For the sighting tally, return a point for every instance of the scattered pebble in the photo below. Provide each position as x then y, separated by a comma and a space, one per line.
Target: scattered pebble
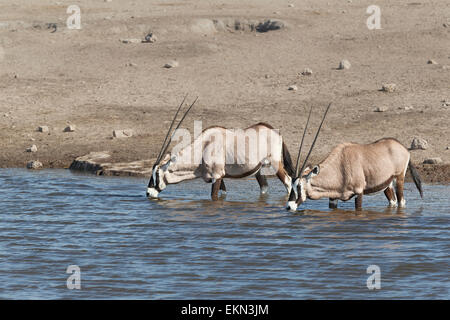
445, 103
344, 64
150, 38
171, 64
431, 61
43, 129
388, 87
381, 109
290, 5
34, 164
69, 128
419, 144
293, 88
307, 72
126, 133
33, 148
131, 64
432, 161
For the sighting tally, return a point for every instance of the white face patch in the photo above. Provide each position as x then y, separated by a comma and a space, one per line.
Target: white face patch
294, 187
152, 193
292, 206
303, 191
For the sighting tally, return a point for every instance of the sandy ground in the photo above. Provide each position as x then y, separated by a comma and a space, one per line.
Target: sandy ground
90, 79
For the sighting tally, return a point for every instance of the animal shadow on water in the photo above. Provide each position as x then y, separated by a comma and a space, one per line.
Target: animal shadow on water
346, 214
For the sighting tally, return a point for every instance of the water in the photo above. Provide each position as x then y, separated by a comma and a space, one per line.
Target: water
186, 246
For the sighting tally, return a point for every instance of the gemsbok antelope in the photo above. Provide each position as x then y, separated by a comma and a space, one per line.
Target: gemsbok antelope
354, 170
219, 157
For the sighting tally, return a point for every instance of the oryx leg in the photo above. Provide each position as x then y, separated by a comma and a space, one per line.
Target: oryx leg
284, 177
332, 203
400, 181
358, 201
262, 181
222, 186
390, 195
216, 183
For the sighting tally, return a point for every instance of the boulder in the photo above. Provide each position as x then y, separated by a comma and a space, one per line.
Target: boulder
34, 165
126, 133
419, 144
432, 161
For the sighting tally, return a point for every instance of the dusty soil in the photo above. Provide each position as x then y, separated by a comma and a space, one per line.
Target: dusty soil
90, 79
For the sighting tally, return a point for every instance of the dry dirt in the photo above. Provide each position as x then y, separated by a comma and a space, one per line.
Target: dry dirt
89, 79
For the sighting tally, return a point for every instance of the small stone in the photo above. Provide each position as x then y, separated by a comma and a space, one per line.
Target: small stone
171, 64
151, 38
407, 108
432, 161
307, 72
43, 129
34, 165
126, 133
33, 148
131, 64
344, 64
69, 128
130, 40
431, 61
293, 88
445, 103
381, 109
388, 87
290, 5
419, 144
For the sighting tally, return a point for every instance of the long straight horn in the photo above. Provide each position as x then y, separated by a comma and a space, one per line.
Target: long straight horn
168, 132
179, 124
301, 144
315, 138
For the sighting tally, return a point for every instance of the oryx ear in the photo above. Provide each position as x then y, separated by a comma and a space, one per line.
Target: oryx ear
314, 172
173, 158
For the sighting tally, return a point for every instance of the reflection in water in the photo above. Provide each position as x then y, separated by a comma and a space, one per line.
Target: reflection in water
185, 246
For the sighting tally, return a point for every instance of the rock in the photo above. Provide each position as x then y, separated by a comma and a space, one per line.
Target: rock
131, 64
34, 165
171, 64
33, 148
108, 0
419, 144
381, 109
100, 163
407, 108
293, 88
445, 103
150, 38
344, 64
269, 25
307, 72
130, 40
43, 129
432, 161
431, 61
69, 128
388, 87
126, 133
290, 5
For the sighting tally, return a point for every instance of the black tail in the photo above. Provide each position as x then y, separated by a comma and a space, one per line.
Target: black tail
416, 178
287, 161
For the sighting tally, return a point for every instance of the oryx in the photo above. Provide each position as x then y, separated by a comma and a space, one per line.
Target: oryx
354, 170
220, 156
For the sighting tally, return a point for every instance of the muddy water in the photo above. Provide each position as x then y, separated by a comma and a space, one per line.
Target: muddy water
185, 246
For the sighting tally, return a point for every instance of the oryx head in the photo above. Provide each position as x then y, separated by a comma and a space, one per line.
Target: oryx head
300, 182
162, 165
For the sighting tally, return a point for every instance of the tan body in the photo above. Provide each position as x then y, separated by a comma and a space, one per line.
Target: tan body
227, 153
357, 169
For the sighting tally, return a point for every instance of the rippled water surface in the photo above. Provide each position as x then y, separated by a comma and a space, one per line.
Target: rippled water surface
185, 246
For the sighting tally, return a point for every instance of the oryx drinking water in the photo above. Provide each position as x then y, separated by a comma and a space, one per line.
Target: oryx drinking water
219, 153
354, 170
